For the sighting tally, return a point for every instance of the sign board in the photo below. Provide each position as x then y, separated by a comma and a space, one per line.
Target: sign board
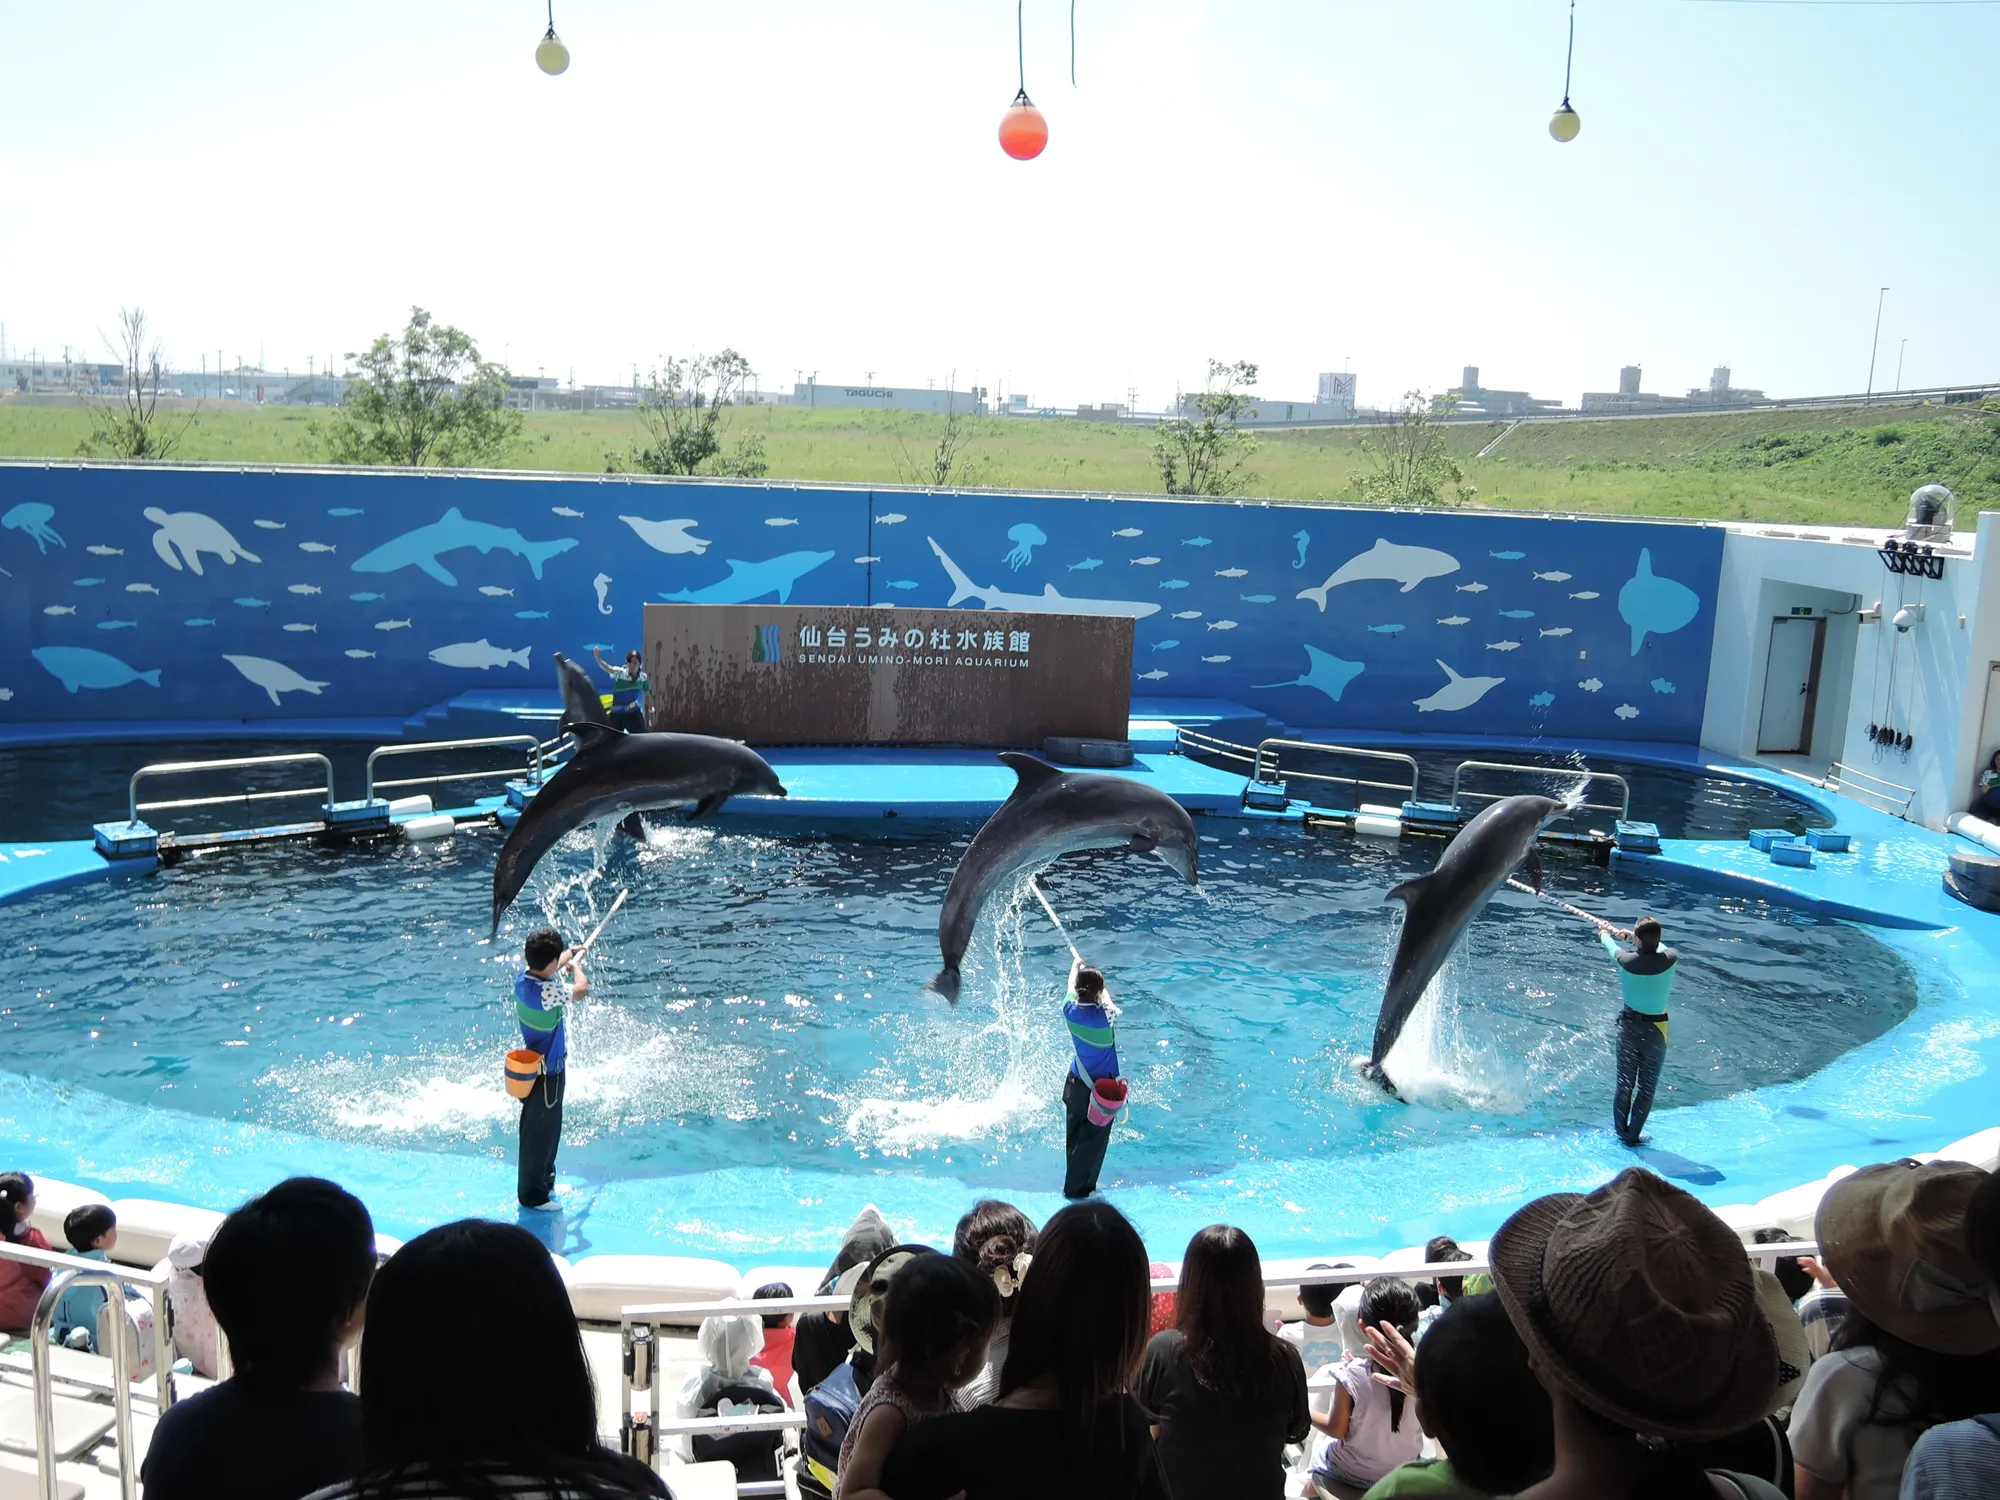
873, 675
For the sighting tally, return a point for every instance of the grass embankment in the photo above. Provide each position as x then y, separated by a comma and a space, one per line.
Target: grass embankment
1851, 465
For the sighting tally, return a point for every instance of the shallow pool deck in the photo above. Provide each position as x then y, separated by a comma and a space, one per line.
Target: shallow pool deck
1925, 1082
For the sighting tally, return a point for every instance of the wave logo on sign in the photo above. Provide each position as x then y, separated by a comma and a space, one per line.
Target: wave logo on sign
766, 644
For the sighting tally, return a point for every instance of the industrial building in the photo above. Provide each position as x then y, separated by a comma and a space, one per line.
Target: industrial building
1476, 400
890, 398
1628, 398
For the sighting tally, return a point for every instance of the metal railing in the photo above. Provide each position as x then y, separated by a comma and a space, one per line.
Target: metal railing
1622, 807
181, 767
532, 767
1269, 767
1894, 797
638, 1325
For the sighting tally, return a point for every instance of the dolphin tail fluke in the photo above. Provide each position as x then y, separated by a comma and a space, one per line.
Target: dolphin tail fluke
1317, 595
151, 679
946, 983
962, 588
538, 553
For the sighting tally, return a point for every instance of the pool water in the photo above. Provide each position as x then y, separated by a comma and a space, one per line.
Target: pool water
760, 1002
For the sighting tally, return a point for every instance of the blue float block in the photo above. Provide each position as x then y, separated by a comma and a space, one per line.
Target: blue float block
1443, 814
1761, 839
356, 816
1793, 853
1636, 838
1830, 840
1265, 797
132, 840
520, 793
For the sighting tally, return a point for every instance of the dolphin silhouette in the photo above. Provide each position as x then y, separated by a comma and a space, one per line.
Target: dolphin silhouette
1051, 813
1439, 906
1386, 560
613, 774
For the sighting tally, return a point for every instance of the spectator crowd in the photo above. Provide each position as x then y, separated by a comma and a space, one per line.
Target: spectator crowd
1622, 1345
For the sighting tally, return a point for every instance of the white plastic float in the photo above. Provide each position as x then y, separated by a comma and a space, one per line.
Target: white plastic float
435, 826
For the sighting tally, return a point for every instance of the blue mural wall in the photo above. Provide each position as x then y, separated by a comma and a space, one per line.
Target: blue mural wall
211, 593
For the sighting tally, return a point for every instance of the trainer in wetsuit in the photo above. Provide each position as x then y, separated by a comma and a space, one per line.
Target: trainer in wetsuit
628, 691
1647, 976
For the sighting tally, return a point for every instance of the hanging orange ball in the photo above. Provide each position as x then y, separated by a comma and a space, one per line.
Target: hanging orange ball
1023, 131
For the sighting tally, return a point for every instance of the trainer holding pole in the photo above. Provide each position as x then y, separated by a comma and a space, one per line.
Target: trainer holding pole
1093, 1091
1646, 974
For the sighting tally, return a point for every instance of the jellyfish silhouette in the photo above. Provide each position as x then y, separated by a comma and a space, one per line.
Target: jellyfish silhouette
1026, 537
33, 517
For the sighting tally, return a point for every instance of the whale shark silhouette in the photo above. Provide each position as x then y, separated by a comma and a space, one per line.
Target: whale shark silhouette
750, 581
421, 548
1048, 602
1653, 605
1325, 673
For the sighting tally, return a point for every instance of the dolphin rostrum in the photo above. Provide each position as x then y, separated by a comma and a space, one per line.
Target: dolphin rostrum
613, 774
1050, 813
1440, 905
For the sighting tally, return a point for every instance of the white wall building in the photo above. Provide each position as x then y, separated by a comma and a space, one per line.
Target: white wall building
889, 397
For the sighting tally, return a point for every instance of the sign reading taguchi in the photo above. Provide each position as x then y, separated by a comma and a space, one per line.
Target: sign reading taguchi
859, 675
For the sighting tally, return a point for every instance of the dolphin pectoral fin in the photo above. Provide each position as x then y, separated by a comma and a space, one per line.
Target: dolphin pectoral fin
632, 828
1031, 774
1142, 843
1532, 868
708, 805
1410, 891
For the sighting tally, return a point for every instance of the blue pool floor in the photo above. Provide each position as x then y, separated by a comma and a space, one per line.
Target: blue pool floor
1926, 1082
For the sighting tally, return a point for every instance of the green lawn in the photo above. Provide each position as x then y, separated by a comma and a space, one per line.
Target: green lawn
1853, 466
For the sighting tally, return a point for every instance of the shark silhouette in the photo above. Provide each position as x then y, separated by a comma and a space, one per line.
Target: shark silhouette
449, 533
1048, 602
750, 581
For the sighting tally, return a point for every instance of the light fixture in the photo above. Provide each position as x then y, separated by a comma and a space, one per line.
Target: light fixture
1023, 131
1566, 122
551, 56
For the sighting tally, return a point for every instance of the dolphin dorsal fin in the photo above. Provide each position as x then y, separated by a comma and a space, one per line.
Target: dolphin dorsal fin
589, 736
1032, 774
1410, 891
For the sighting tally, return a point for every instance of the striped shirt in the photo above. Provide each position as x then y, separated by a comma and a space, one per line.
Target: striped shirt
538, 1006
1096, 1039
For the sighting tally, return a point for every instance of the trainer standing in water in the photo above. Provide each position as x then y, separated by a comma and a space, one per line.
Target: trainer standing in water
628, 691
1090, 1014
1647, 975
540, 1004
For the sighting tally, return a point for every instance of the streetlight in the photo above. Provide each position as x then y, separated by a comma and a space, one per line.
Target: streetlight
1874, 345
1900, 348
551, 56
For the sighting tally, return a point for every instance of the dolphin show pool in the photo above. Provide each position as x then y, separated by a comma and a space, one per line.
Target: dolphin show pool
761, 1054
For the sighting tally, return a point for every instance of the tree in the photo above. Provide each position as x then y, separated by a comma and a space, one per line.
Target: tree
1203, 451
948, 464
1406, 456
424, 399
683, 410
132, 427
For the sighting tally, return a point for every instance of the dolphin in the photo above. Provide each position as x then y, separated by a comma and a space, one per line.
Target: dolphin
582, 704
1439, 906
613, 774
1050, 813
1387, 560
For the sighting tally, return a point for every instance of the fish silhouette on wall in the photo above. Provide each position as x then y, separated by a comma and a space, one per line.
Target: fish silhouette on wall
80, 667
750, 581
421, 548
185, 534
1653, 605
1048, 602
1389, 561
1325, 673
1457, 693
31, 518
274, 677
670, 537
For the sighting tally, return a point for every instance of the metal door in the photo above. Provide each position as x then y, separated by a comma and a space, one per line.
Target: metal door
1791, 686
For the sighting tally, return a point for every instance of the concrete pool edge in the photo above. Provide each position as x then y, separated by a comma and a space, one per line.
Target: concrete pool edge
1918, 1085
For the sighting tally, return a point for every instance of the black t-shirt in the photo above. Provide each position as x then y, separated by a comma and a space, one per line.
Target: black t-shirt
1216, 1446
1000, 1453
818, 1346
244, 1441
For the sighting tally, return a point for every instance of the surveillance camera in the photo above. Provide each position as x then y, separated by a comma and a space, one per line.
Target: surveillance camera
1907, 617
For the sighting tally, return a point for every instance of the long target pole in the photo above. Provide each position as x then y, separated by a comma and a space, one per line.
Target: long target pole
602, 924
1035, 886
1576, 911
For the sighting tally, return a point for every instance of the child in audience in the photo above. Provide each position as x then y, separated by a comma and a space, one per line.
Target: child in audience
729, 1345
287, 1275
1448, 1289
776, 1355
935, 1321
91, 1231
195, 1338
1318, 1338
20, 1286
1370, 1431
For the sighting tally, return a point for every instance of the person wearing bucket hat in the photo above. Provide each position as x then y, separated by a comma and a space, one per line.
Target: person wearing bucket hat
1920, 1344
1961, 1460
1093, 1091
1641, 1321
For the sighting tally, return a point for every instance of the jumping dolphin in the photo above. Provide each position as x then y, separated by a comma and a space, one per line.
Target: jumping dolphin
613, 774
1050, 813
1440, 905
581, 702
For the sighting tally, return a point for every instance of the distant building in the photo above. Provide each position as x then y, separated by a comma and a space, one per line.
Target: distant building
890, 398
1629, 399
1476, 400
1721, 393
54, 376
1337, 389
1335, 403
1110, 411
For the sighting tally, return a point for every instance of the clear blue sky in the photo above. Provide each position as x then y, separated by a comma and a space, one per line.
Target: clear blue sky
817, 183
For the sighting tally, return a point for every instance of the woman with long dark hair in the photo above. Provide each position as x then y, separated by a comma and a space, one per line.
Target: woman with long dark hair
1226, 1394
997, 1240
1065, 1426
474, 1383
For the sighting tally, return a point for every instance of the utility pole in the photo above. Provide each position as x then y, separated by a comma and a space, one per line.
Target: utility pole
1875, 345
